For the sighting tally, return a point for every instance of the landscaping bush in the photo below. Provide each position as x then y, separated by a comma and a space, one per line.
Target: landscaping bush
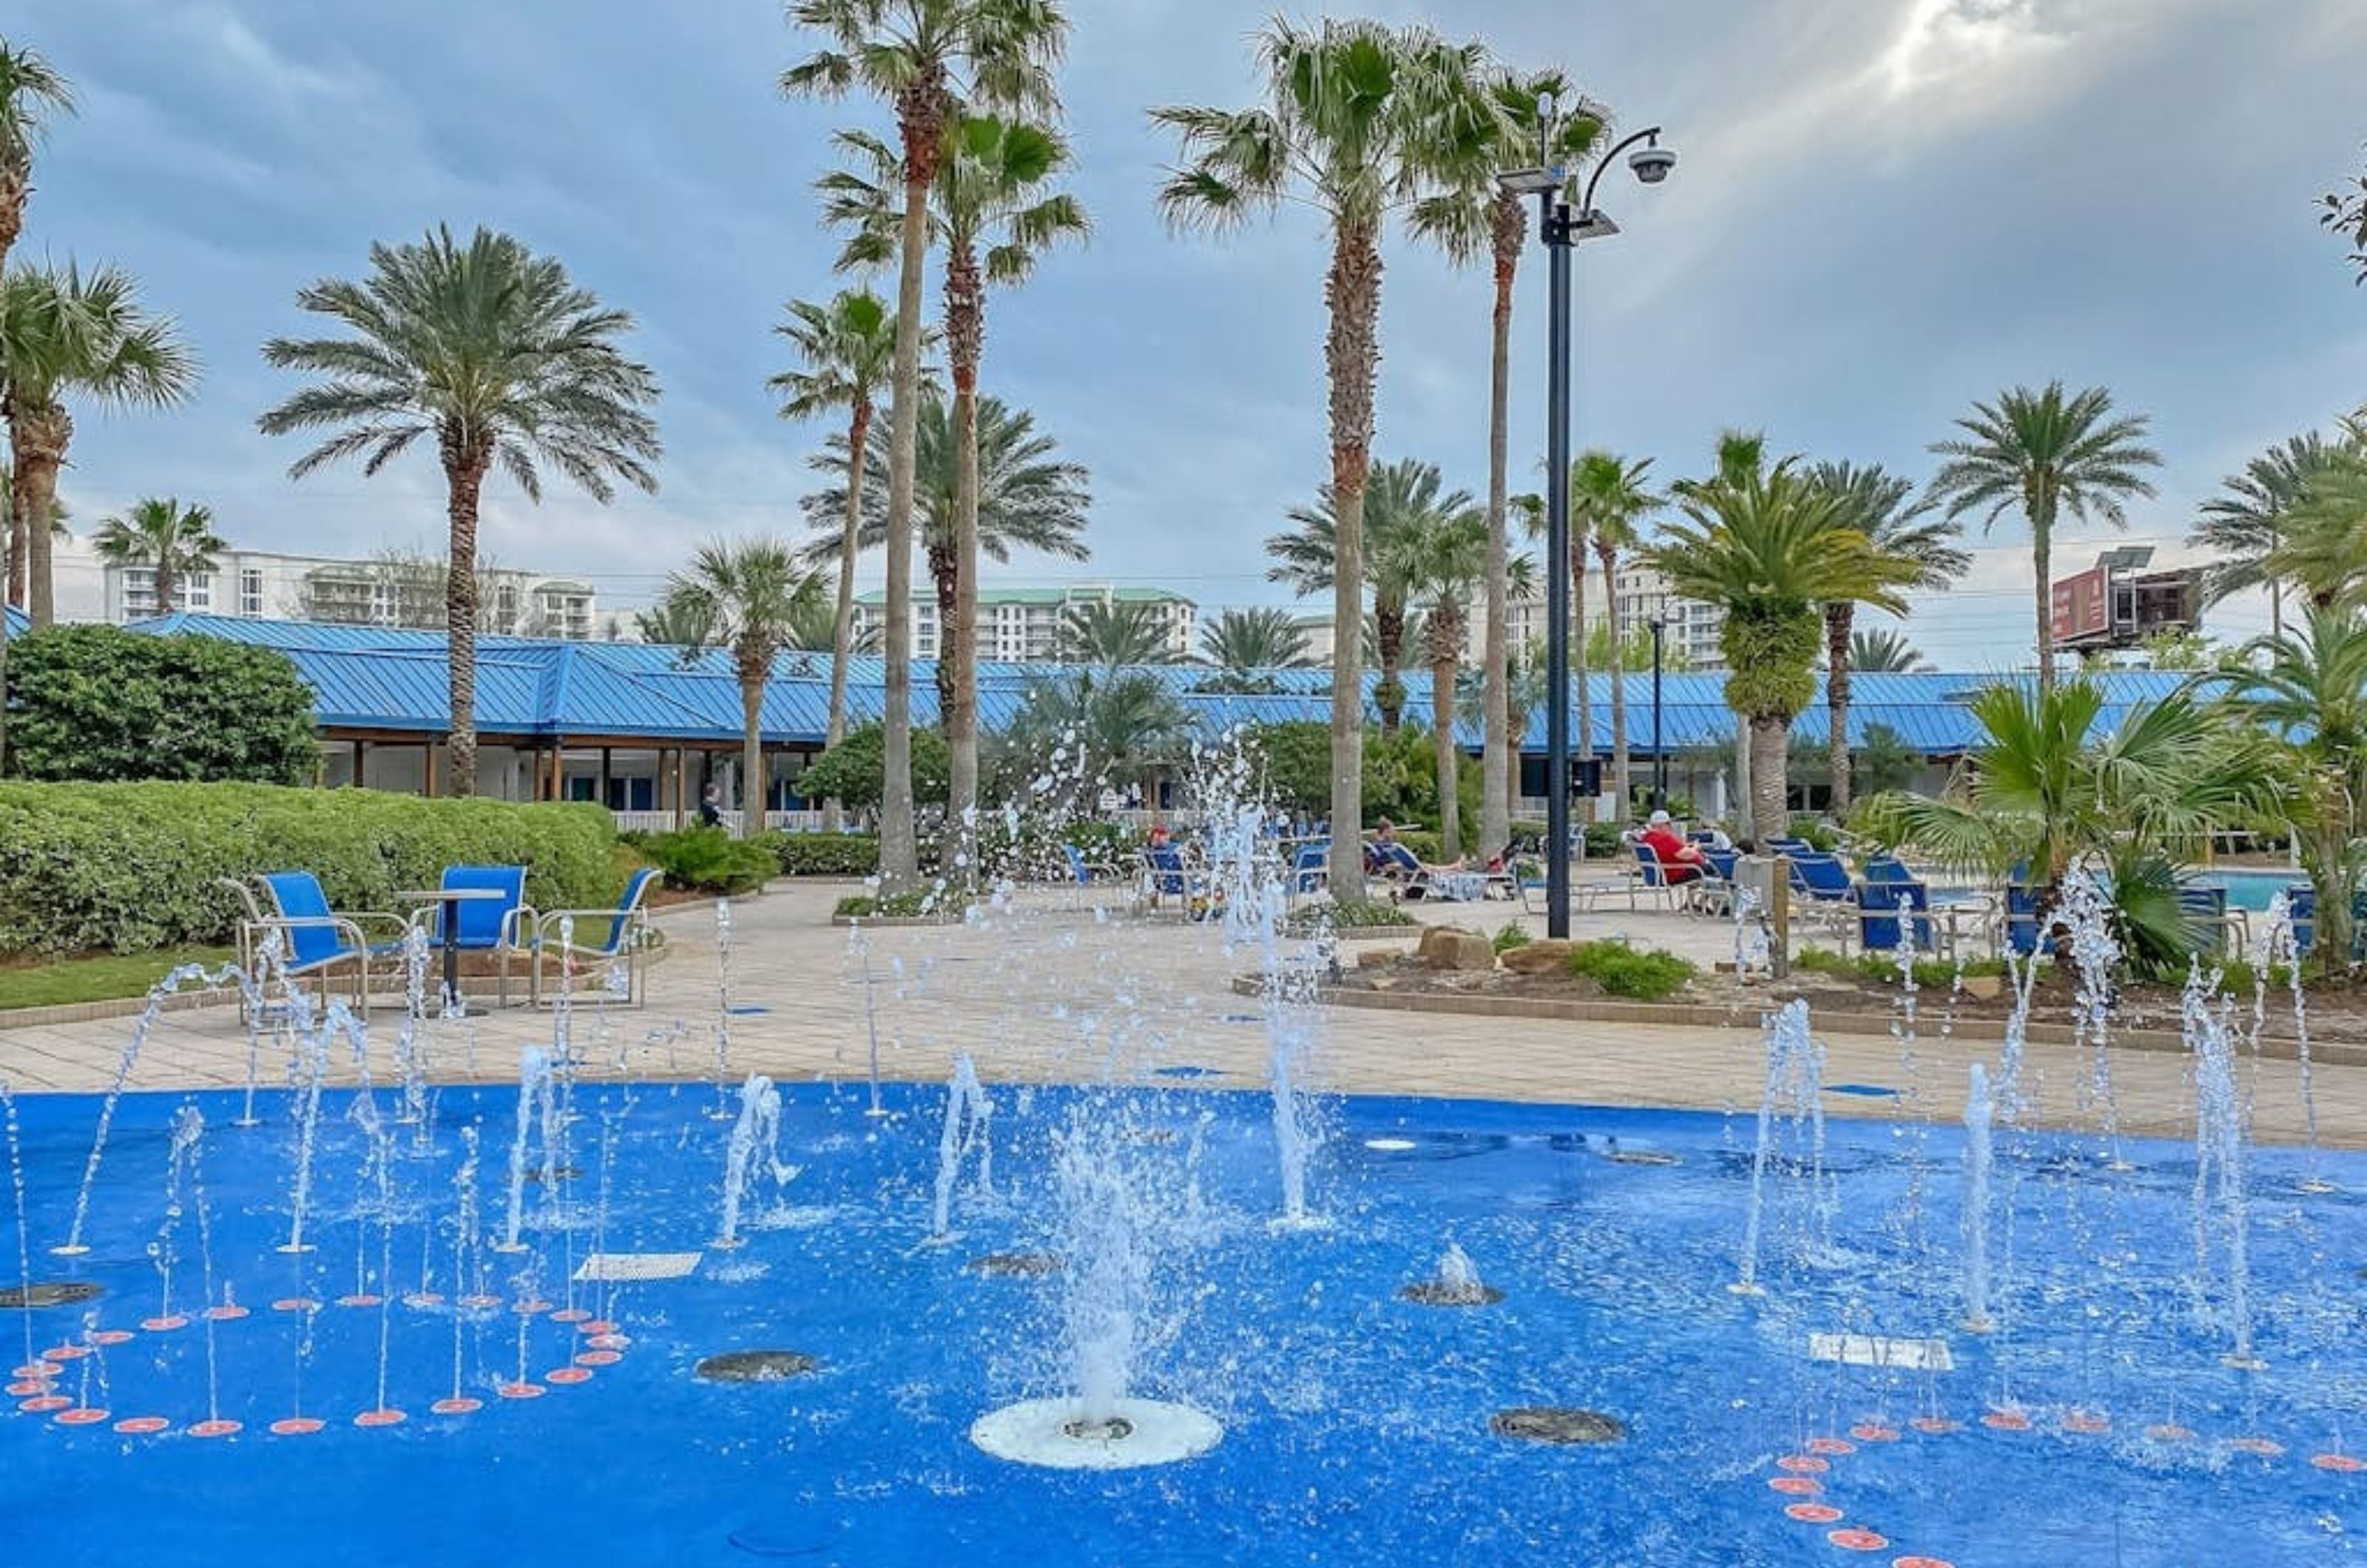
1644, 975
1603, 841
709, 860
101, 704
826, 855
1350, 916
855, 771
1930, 973
1510, 935
944, 901
128, 867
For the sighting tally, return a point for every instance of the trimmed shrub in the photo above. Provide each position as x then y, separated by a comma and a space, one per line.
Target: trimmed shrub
709, 860
101, 704
126, 867
1303, 922
855, 771
826, 855
948, 902
1644, 975
1882, 968
1602, 839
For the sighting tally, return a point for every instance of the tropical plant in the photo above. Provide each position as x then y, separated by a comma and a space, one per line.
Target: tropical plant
31, 92
171, 540
1402, 505
1359, 118
747, 597
12, 546
1451, 567
1770, 550
1245, 642
991, 210
2249, 519
1114, 632
674, 621
855, 771
2308, 687
1609, 500
495, 355
2322, 549
1476, 216
846, 352
927, 59
1884, 653
2345, 215
1028, 497
1111, 722
1883, 507
2046, 455
2047, 788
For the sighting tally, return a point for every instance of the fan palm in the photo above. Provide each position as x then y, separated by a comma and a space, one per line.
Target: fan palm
747, 599
1404, 502
2049, 455
31, 92
1450, 566
992, 195
846, 351
2247, 520
1241, 642
1884, 653
1883, 507
1111, 721
171, 540
1609, 498
1113, 633
675, 623
493, 354
1359, 119
1478, 216
927, 58
1770, 550
2322, 549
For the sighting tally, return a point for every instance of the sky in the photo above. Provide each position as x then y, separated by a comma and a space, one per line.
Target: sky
1884, 210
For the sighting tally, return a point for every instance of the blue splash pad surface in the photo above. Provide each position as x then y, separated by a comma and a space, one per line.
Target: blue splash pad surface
1357, 1424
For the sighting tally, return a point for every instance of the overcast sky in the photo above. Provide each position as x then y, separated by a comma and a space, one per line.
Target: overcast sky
1886, 210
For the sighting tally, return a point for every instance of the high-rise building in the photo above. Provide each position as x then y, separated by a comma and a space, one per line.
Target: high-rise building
1022, 626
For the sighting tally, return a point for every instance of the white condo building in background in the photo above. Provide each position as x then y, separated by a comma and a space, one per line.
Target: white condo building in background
1022, 626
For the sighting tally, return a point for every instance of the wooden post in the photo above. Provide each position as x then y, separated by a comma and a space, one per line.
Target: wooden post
361, 754
558, 769
604, 753
681, 775
1779, 920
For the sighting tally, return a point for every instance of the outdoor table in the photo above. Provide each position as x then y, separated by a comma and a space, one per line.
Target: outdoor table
451, 899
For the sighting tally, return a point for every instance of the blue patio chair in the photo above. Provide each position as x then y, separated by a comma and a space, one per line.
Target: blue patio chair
1722, 861
318, 939
1888, 868
601, 936
2021, 929
1166, 874
1790, 848
1395, 861
1890, 913
498, 926
1310, 868
1652, 877
1086, 872
2208, 919
1821, 878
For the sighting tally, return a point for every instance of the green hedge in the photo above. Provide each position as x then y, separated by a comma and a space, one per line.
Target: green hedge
90, 702
827, 854
126, 867
709, 860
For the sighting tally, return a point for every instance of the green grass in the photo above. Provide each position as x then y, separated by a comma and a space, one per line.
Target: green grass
105, 977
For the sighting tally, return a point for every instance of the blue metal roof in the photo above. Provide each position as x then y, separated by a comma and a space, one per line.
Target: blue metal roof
390, 678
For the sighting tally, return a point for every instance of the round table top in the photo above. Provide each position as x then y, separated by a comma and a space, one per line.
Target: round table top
450, 895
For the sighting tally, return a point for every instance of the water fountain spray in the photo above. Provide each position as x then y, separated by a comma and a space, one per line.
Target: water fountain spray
968, 1110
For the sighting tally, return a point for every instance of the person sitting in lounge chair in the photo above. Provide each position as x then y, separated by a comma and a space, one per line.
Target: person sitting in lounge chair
1680, 861
1386, 858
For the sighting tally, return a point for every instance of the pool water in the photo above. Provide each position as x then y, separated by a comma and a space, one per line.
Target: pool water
2252, 890
1357, 1423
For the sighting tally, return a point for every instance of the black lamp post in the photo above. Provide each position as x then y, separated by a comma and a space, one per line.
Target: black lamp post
1659, 623
1563, 228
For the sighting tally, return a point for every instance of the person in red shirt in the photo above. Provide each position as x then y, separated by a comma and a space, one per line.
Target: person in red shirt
1680, 861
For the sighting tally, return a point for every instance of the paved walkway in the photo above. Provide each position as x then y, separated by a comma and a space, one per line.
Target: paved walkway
1059, 989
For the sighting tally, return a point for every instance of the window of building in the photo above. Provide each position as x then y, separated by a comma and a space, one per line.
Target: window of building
250, 591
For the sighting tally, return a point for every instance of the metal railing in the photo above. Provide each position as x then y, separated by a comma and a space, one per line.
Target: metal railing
666, 821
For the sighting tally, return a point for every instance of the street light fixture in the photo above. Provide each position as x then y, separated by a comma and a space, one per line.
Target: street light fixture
1563, 228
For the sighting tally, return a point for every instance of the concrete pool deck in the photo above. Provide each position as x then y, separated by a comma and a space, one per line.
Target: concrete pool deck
1067, 991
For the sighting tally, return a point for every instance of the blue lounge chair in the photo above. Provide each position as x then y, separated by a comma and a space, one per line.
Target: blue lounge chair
2209, 919
1890, 913
1888, 868
500, 926
1821, 878
1166, 876
1086, 872
316, 940
1653, 878
1395, 861
1310, 868
602, 936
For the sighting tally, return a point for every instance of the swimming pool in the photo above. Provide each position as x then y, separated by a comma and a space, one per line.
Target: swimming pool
2096, 1425
2251, 889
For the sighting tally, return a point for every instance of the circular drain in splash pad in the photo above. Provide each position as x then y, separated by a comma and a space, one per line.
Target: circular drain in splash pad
753, 1366
1556, 1424
1450, 1294
1141, 1432
49, 1293
1014, 1265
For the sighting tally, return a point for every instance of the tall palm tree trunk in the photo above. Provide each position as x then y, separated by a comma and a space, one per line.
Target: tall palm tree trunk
1351, 354
2042, 525
965, 342
464, 479
1768, 816
1499, 776
842, 632
921, 117
1388, 648
1839, 620
753, 797
1444, 658
1582, 747
38, 439
1621, 796
168, 584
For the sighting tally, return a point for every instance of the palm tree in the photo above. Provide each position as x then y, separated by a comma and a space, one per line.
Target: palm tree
65, 333
171, 540
1451, 567
1402, 505
1111, 719
927, 59
1478, 216
2242, 526
2046, 455
2344, 214
1111, 633
846, 351
990, 195
1359, 118
1884, 653
31, 91
748, 597
1884, 508
1241, 642
12, 546
492, 353
2323, 548
1608, 499
675, 623
1028, 497
1771, 549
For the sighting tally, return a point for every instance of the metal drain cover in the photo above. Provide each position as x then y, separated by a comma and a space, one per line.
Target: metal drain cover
1556, 1424
49, 1293
753, 1366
